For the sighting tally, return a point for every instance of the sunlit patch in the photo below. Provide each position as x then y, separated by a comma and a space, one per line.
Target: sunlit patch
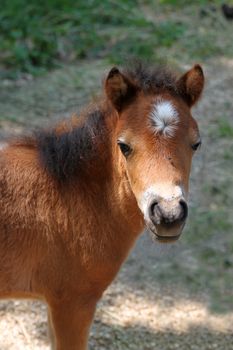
164, 118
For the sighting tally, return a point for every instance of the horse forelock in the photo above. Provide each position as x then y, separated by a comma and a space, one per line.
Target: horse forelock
152, 79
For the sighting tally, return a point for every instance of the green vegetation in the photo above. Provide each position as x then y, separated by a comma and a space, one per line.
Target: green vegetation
36, 36
225, 129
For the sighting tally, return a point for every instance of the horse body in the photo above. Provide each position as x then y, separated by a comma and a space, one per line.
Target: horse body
40, 220
74, 199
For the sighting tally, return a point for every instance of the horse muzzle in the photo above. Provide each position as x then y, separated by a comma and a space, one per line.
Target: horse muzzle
167, 218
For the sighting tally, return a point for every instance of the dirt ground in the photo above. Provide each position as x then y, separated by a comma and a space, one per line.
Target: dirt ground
165, 297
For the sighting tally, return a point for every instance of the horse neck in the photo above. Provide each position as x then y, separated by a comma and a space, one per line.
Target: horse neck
107, 207
112, 208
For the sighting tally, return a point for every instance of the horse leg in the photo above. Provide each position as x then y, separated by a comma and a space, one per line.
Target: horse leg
71, 323
51, 334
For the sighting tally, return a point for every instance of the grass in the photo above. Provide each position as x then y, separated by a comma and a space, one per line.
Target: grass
64, 30
46, 35
225, 129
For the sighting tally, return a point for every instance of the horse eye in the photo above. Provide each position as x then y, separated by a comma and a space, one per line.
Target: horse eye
195, 146
125, 149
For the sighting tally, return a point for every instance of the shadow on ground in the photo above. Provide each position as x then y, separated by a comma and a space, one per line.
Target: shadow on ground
130, 337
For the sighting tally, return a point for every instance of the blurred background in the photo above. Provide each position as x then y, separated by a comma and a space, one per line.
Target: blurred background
53, 57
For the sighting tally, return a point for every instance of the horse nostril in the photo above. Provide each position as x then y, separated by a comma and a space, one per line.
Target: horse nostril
152, 209
184, 210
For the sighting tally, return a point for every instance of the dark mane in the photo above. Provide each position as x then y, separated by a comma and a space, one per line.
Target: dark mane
64, 154
64, 149
152, 79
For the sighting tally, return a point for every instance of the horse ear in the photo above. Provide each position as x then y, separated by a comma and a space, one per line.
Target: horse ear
191, 84
119, 89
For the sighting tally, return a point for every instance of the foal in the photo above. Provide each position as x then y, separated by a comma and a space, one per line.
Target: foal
73, 199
